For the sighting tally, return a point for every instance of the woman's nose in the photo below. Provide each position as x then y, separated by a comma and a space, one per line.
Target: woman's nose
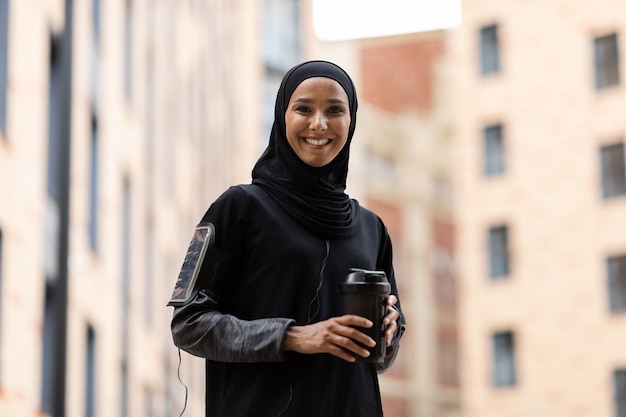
318, 121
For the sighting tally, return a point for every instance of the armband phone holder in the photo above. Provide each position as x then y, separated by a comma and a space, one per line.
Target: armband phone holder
202, 264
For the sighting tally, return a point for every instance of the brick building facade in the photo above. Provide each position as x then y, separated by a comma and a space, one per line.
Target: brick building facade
539, 160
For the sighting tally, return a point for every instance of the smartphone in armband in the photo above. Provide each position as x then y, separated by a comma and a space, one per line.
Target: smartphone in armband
202, 265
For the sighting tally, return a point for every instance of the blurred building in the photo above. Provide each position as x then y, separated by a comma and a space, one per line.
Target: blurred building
400, 168
168, 107
541, 196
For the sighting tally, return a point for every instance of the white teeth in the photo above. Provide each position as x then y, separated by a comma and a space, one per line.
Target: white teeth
316, 142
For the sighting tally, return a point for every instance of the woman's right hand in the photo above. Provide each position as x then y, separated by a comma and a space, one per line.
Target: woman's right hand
337, 336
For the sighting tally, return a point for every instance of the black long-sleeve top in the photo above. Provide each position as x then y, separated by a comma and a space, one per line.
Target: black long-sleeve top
280, 275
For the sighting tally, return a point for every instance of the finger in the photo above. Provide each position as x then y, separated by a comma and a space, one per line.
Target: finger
346, 341
357, 336
355, 349
391, 332
345, 329
355, 341
392, 316
348, 348
350, 333
392, 313
352, 320
336, 349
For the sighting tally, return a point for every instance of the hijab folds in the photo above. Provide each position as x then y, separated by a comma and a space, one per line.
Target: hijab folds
313, 196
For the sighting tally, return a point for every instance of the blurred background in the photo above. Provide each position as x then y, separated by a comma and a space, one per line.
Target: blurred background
490, 141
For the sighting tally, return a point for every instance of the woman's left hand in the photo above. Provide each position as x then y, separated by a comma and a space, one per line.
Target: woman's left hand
390, 321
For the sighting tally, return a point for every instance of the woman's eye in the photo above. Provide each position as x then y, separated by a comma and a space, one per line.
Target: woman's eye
336, 109
302, 109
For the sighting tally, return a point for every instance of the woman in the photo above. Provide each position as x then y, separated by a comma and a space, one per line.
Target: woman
271, 327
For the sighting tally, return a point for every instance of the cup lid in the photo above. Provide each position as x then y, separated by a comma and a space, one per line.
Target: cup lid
362, 280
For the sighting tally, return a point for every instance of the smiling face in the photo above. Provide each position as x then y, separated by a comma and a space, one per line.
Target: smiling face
317, 120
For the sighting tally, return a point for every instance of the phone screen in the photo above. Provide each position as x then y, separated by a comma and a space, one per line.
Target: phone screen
185, 284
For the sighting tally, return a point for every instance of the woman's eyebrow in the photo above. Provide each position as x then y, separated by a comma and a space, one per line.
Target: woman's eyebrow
308, 100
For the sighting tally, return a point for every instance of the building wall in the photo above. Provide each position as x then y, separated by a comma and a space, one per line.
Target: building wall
401, 75
186, 124
566, 340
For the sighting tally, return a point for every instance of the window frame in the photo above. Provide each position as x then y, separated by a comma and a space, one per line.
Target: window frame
94, 184
128, 50
494, 153
498, 250
613, 170
489, 49
606, 61
616, 283
504, 368
90, 370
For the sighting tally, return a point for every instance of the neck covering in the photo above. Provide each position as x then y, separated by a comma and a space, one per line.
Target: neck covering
313, 196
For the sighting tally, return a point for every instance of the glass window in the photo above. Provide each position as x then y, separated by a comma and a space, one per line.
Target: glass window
498, 252
281, 34
619, 384
90, 373
54, 117
128, 48
50, 323
606, 61
613, 163
616, 268
94, 76
489, 50
4, 62
93, 185
494, 150
503, 359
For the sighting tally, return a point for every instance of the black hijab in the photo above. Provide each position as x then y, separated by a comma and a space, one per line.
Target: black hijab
313, 196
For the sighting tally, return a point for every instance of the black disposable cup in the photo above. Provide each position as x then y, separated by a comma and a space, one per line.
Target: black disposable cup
365, 293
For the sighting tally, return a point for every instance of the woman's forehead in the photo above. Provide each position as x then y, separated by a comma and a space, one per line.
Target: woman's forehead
316, 86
